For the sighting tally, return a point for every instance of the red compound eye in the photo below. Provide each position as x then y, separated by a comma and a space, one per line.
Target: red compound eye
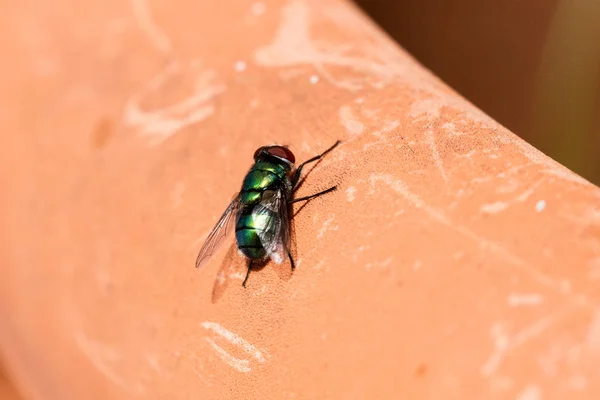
257, 152
282, 152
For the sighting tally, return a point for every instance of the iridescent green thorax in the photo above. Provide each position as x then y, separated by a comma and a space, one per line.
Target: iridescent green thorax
262, 176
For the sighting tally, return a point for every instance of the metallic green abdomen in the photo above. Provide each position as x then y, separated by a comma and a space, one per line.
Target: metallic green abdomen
249, 244
262, 176
246, 233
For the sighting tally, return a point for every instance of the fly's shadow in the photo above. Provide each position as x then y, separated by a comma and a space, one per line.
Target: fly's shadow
231, 265
234, 267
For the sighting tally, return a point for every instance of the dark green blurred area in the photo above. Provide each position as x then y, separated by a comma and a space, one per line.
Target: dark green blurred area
534, 65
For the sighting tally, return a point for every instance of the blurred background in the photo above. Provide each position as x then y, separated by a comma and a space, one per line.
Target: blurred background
534, 65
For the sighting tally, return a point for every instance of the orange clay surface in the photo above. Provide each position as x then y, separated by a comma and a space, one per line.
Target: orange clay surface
453, 262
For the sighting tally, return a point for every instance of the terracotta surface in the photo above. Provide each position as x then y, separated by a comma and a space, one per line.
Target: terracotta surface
7, 389
455, 261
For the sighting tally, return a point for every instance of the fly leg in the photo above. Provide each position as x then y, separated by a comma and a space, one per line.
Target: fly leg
296, 176
291, 260
247, 273
312, 196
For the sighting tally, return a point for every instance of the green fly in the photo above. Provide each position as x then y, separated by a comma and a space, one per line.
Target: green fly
260, 210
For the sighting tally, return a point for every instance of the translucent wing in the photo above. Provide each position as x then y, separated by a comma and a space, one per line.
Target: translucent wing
273, 225
220, 232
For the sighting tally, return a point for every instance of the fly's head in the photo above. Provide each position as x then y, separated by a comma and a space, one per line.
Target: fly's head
275, 153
